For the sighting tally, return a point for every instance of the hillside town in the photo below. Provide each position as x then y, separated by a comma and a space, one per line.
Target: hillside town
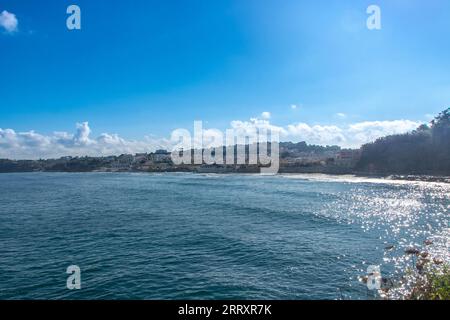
294, 157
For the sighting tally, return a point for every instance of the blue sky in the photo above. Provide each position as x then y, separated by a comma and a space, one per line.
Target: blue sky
141, 68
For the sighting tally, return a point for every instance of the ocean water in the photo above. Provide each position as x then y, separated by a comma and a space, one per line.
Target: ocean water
187, 236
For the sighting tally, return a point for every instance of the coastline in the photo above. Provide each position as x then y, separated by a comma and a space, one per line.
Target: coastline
347, 175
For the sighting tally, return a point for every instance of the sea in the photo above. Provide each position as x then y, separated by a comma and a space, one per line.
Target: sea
211, 236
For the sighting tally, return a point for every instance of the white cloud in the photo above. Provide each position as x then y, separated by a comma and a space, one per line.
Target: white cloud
265, 115
294, 106
317, 134
341, 115
353, 135
31, 145
249, 127
8, 21
82, 135
371, 130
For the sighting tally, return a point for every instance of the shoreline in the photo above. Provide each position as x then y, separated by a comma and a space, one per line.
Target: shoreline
318, 174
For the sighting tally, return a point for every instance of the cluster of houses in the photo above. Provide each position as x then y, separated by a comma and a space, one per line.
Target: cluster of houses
328, 157
160, 160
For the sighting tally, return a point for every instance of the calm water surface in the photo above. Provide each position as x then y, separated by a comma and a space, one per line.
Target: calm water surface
185, 236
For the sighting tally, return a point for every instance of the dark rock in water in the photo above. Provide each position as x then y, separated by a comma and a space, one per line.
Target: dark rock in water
386, 284
419, 266
412, 251
428, 242
390, 247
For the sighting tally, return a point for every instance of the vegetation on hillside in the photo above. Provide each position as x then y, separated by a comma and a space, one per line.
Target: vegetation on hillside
434, 285
425, 150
